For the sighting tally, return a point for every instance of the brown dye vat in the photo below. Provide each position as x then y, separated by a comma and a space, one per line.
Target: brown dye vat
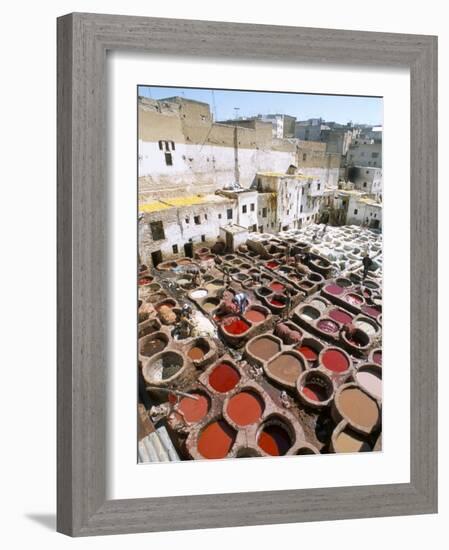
245, 408
286, 367
358, 408
255, 315
196, 353
216, 440
274, 440
194, 410
153, 345
224, 377
264, 348
348, 441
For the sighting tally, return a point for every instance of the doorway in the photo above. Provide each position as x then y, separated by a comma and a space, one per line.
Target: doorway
188, 250
156, 258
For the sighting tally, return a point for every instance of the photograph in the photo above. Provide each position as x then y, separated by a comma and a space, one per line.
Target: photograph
259, 274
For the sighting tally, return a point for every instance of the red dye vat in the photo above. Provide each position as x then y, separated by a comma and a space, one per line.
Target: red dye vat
254, 315
245, 408
216, 440
314, 392
333, 289
144, 281
372, 311
194, 410
272, 265
274, 440
276, 303
335, 360
340, 316
224, 377
354, 299
235, 326
326, 325
277, 287
377, 357
309, 353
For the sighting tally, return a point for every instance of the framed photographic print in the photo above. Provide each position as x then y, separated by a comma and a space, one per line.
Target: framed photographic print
246, 274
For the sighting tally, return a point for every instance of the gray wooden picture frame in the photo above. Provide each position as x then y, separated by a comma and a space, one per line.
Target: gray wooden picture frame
83, 41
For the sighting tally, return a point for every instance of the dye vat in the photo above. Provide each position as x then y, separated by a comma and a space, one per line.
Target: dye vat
343, 282
340, 316
377, 357
278, 301
358, 408
309, 313
263, 348
349, 441
194, 410
235, 326
319, 304
224, 377
310, 353
210, 304
357, 338
274, 439
366, 326
216, 440
152, 344
309, 450
327, 325
369, 377
335, 360
354, 299
371, 311
255, 314
285, 368
272, 265
198, 294
315, 388
277, 287
199, 350
334, 289
144, 281
163, 366
245, 408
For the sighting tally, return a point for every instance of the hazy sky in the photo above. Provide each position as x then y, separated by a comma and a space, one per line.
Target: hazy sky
342, 109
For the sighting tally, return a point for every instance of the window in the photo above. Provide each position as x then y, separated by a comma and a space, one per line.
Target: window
157, 231
244, 209
264, 212
252, 206
355, 212
175, 249
173, 145
168, 159
229, 213
167, 146
203, 238
288, 212
318, 186
205, 216
219, 216
301, 208
160, 145
364, 184
374, 155
197, 220
187, 220
304, 157
367, 171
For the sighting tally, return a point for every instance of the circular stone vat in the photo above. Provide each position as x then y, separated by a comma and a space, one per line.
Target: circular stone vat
199, 293
264, 291
245, 407
148, 327
358, 339
166, 303
369, 377
235, 326
224, 377
210, 304
216, 440
276, 286
309, 313
357, 408
342, 281
315, 278
163, 367
307, 449
376, 356
310, 349
198, 350
315, 388
278, 301
194, 410
354, 299
285, 368
274, 437
335, 360
342, 317
263, 347
152, 344
346, 440
145, 281
272, 265
367, 325
371, 311
333, 289
256, 314
154, 298
318, 304
327, 325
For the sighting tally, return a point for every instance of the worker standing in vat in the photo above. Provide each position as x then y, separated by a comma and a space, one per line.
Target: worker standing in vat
226, 276
288, 304
241, 301
367, 263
